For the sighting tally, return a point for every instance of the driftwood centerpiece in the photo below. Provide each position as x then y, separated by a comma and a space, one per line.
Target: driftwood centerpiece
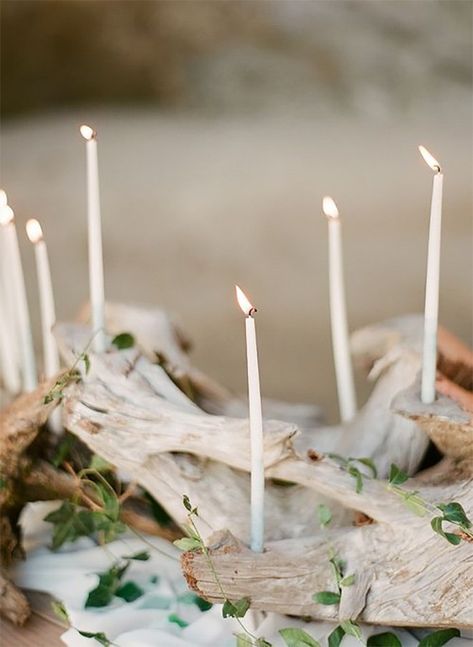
174, 431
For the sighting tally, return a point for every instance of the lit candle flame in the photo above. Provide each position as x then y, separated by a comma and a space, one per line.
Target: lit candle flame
6, 215
329, 207
244, 303
87, 132
430, 159
3, 198
34, 231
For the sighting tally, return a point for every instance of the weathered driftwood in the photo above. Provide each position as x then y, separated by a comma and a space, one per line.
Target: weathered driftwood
125, 397
405, 574
128, 410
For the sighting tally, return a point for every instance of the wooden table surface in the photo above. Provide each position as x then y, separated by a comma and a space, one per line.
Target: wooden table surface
42, 629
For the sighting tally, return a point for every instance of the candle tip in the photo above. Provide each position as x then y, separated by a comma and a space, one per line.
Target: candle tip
429, 158
329, 207
3, 198
244, 302
6, 215
87, 132
34, 231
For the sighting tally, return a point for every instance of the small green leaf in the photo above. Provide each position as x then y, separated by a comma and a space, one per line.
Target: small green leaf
369, 464
108, 499
177, 620
352, 629
99, 637
141, 556
86, 359
123, 340
326, 597
242, 640
386, 639
358, 476
129, 591
236, 609
63, 450
396, 475
109, 582
100, 465
436, 524
60, 611
261, 642
297, 638
336, 637
325, 516
438, 638
187, 543
349, 580
186, 503
455, 513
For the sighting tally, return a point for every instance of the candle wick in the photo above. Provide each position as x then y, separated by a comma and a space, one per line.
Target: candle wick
439, 170
252, 311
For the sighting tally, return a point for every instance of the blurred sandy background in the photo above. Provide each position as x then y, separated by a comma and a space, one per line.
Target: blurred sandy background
221, 126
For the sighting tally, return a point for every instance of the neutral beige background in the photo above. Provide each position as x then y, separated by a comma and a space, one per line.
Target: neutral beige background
193, 205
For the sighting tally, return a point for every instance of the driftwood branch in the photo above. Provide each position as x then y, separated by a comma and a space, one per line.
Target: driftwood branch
174, 431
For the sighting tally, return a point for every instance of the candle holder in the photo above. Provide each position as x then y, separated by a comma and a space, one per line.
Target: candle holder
153, 415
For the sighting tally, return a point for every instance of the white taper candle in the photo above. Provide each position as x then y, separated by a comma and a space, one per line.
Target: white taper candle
429, 355
256, 426
48, 311
9, 346
96, 280
338, 315
17, 283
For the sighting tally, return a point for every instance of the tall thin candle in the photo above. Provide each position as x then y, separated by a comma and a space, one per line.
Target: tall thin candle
256, 425
429, 356
338, 314
96, 281
8, 338
22, 316
48, 312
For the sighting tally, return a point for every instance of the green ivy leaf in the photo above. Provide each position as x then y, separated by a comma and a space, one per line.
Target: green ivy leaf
438, 638
60, 611
130, 591
236, 609
242, 640
352, 629
63, 450
436, 524
386, 639
123, 340
188, 506
336, 637
109, 582
349, 580
396, 475
369, 464
297, 638
99, 637
141, 556
326, 597
70, 523
86, 359
187, 543
324, 514
455, 513
108, 499
358, 476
